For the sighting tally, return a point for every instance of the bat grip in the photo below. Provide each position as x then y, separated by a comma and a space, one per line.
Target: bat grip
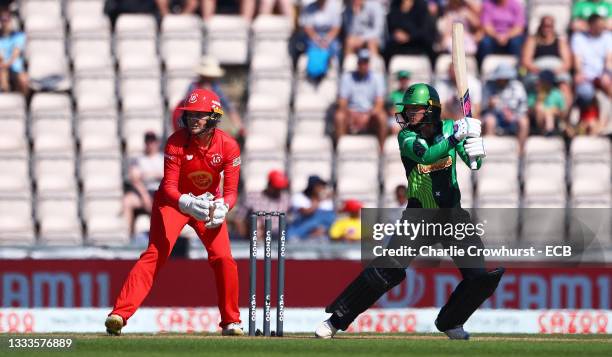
473, 164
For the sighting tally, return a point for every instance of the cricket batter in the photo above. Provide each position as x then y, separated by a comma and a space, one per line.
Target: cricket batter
428, 147
195, 157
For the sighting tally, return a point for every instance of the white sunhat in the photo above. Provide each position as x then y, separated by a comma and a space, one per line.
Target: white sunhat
209, 67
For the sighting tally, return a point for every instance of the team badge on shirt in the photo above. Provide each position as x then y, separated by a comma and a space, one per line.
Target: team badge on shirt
216, 159
201, 179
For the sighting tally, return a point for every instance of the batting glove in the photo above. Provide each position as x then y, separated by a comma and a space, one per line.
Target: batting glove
474, 147
196, 207
467, 128
221, 209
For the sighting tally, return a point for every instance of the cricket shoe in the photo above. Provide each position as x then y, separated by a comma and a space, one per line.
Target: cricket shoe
457, 333
114, 324
325, 330
233, 329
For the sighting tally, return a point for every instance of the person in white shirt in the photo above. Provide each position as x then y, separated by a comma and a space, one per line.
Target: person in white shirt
144, 174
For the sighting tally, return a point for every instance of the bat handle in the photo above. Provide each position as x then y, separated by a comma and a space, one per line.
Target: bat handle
473, 164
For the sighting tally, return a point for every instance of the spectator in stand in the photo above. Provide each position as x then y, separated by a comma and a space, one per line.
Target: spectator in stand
312, 211
447, 90
583, 9
400, 196
505, 105
593, 64
246, 8
396, 96
144, 174
546, 49
273, 198
546, 105
412, 30
209, 71
285, 7
364, 23
360, 106
321, 22
348, 227
12, 45
467, 14
177, 7
114, 8
503, 22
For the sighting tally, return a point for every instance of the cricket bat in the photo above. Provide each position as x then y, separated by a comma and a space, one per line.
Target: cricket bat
460, 68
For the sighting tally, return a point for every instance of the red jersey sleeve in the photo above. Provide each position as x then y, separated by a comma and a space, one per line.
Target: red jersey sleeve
231, 171
172, 168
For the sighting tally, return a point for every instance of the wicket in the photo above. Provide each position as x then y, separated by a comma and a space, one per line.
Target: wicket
280, 308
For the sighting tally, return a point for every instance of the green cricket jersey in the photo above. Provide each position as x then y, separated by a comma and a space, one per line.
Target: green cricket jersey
430, 167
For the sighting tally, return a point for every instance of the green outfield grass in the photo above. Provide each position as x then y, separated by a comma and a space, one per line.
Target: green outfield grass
372, 345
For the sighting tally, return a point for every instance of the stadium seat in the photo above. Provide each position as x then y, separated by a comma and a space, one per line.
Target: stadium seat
97, 65
100, 48
490, 63
271, 48
49, 73
12, 106
310, 127
76, 9
301, 169
96, 105
501, 149
44, 27
136, 65
264, 105
544, 149
590, 184
47, 48
363, 186
176, 89
357, 147
590, 149
141, 86
50, 8
498, 185
393, 175
136, 26
59, 222
55, 178
104, 222
51, 106
135, 47
325, 91
14, 179
181, 26
139, 125
101, 178
13, 143
278, 87
227, 38
53, 145
106, 127
271, 28
90, 28
311, 147
141, 105
418, 65
444, 60
264, 147
255, 172
332, 71
16, 225
270, 128
181, 55
95, 145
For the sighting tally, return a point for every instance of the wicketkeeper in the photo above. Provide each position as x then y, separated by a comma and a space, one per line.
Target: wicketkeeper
189, 193
428, 148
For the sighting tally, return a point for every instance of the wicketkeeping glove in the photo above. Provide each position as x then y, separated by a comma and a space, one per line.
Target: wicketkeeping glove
221, 209
196, 207
474, 147
467, 128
